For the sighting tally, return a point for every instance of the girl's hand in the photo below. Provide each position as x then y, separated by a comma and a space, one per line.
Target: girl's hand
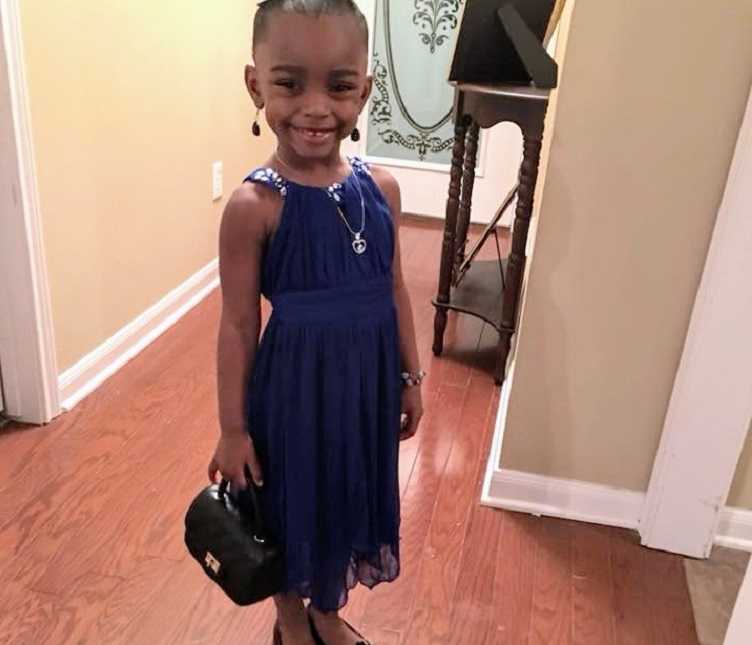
234, 451
412, 411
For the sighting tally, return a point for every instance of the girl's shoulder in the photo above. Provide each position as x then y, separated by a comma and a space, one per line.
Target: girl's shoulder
252, 211
256, 197
388, 186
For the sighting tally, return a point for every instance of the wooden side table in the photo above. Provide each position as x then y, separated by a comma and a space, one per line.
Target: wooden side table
485, 289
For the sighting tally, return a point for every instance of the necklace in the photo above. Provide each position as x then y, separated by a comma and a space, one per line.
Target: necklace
359, 244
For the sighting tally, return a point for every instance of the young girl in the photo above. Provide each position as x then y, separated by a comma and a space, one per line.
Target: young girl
317, 409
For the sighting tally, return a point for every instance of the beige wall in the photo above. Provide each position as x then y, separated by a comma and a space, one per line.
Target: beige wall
649, 108
131, 102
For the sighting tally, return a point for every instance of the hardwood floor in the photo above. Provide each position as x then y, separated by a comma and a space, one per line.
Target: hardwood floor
91, 511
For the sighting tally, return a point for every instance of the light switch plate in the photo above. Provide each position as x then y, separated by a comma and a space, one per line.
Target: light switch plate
217, 180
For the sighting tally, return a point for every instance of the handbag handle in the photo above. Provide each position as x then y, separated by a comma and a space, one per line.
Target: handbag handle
259, 526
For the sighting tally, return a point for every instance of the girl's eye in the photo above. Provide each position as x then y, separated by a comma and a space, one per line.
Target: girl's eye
286, 83
342, 87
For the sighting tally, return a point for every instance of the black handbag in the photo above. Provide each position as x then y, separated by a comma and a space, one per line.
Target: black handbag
225, 533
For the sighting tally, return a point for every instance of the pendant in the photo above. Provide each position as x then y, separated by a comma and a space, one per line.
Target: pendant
359, 244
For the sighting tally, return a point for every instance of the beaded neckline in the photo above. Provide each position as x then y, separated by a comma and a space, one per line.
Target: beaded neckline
271, 177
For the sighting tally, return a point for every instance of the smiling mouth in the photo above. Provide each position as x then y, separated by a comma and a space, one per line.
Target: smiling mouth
314, 133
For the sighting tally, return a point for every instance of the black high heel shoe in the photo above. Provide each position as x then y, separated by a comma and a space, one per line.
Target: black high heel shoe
320, 641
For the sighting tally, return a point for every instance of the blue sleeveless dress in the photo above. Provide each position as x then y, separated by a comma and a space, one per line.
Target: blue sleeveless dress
323, 401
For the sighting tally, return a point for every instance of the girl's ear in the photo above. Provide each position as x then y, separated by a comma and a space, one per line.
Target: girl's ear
252, 83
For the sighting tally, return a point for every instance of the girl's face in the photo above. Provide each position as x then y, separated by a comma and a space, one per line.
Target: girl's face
311, 78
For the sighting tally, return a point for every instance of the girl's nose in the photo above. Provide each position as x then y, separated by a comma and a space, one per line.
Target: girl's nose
317, 106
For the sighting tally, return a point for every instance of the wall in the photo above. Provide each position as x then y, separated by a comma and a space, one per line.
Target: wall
131, 102
741, 490
646, 125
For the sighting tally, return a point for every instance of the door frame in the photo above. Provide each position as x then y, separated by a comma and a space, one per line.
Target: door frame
27, 339
710, 408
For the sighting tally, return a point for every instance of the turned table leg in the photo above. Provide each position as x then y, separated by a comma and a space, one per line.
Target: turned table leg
450, 231
515, 270
466, 198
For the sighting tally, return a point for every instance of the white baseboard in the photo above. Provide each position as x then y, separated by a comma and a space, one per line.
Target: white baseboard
565, 498
594, 503
97, 366
581, 501
735, 529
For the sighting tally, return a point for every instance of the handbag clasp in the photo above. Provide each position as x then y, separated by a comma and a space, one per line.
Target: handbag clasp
212, 563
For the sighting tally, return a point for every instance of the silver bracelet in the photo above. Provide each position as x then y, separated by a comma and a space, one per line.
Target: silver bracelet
411, 380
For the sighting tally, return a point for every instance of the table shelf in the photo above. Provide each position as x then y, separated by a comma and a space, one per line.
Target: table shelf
480, 293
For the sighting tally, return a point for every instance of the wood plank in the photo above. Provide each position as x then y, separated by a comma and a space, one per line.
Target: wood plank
551, 613
213, 618
669, 600
472, 610
89, 535
384, 637
632, 622
169, 604
96, 609
35, 620
138, 596
513, 580
438, 576
593, 587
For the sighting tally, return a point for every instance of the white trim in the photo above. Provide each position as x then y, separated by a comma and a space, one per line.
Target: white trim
565, 498
594, 503
581, 501
494, 458
541, 495
711, 405
94, 368
735, 529
29, 363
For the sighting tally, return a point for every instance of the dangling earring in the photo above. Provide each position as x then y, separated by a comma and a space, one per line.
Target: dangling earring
256, 128
355, 136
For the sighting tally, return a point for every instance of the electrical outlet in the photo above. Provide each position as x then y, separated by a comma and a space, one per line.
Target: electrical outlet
217, 180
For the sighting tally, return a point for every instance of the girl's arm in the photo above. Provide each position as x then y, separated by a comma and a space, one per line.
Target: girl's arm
412, 405
241, 240
408, 344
